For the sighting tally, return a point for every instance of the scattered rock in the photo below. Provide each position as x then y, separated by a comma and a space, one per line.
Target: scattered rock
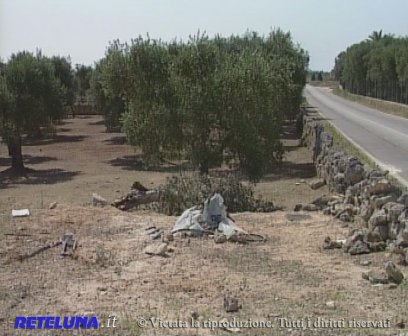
365, 262
377, 247
400, 324
379, 217
330, 244
394, 273
310, 207
378, 187
402, 238
156, 249
359, 247
375, 278
346, 217
327, 211
406, 257
297, 217
98, 200
230, 304
330, 304
169, 237
355, 236
224, 323
354, 172
52, 205
374, 173
316, 184
382, 231
325, 200
395, 210
366, 212
394, 230
219, 238
380, 201
373, 237
403, 199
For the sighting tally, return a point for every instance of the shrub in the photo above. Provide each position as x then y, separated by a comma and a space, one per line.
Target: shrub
183, 192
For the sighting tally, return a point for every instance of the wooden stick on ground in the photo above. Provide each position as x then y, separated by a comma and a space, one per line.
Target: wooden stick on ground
39, 250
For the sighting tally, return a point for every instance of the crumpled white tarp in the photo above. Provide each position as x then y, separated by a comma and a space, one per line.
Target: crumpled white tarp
214, 216
190, 220
215, 210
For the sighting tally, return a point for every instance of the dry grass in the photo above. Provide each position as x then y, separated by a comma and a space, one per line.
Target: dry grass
289, 276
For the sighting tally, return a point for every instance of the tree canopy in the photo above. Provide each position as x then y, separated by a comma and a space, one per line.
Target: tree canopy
209, 100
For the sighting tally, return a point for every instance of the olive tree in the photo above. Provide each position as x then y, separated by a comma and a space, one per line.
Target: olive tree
32, 97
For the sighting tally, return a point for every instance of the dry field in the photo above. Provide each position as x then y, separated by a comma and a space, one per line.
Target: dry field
287, 277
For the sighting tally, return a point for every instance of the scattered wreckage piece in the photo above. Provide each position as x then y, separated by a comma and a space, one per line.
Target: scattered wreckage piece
138, 195
20, 213
39, 250
154, 233
231, 304
213, 220
68, 242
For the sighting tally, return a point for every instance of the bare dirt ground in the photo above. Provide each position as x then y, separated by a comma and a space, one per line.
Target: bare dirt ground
84, 158
287, 277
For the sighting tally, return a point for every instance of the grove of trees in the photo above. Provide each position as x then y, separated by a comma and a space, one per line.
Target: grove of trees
208, 100
376, 67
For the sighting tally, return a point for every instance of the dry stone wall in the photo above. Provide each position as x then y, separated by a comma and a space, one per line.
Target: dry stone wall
363, 196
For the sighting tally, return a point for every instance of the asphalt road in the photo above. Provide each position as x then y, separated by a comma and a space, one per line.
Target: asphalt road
382, 136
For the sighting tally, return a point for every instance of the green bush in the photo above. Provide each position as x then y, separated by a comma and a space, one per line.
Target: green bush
183, 192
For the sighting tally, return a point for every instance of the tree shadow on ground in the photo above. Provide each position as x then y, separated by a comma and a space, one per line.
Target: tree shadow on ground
135, 162
288, 170
116, 140
34, 177
289, 132
288, 149
97, 123
57, 139
64, 129
63, 122
85, 116
28, 160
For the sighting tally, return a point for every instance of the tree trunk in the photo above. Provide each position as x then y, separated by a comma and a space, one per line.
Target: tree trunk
203, 167
17, 164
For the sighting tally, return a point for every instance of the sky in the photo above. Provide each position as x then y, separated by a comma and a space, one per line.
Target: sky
82, 29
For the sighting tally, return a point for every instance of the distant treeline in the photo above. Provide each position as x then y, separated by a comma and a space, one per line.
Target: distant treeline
319, 76
376, 67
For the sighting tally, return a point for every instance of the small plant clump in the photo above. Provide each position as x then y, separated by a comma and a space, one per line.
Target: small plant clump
183, 192
103, 257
